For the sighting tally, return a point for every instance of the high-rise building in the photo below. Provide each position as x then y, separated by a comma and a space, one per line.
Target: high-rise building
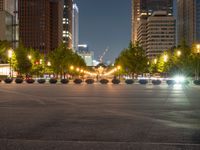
7, 8
147, 7
40, 24
156, 33
75, 27
67, 22
188, 21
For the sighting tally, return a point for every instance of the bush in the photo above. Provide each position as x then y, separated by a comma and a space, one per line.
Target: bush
129, 81
8, 80
104, 81
115, 81
53, 81
64, 81
89, 81
78, 81
156, 82
30, 81
170, 82
143, 81
196, 82
18, 80
41, 81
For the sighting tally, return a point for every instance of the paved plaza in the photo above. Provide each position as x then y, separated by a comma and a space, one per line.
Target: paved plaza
99, 117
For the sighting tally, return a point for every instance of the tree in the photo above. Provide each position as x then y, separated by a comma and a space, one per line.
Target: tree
23, 64
62, 58
4, 46
133, 60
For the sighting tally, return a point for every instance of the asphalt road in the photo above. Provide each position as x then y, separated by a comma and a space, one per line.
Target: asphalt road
99, 117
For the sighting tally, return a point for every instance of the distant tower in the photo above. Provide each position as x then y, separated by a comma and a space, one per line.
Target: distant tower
67, 22
75, 27
186, 21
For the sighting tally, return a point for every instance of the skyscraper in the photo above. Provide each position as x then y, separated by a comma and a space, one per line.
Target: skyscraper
67, 22
186, 26
75, 27
198, 20
40, 24
6, 19
147, 7
156, 33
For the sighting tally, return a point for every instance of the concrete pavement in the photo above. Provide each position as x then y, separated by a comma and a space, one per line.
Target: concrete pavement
99, 117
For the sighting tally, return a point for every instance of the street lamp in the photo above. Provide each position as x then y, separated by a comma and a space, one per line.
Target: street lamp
118, 68
29, 57
178, 53
197, 70
165, 58
155, 61
10, 52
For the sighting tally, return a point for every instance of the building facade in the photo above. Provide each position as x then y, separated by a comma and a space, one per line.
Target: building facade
156, 33
188, 21
75, 27
7, 9
147, 7
40, 24
67, 22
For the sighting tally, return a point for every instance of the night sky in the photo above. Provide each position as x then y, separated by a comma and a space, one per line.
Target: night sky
105, 23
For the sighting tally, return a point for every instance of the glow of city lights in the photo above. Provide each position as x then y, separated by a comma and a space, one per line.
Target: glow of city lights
40, 61
48, 63
29, 57
10, 52
118, 67
178, 53
155, 61
165, 58
198, 48
77, 69
71, 67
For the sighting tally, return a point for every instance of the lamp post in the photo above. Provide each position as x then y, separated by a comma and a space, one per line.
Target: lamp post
197, 70
165, 60
10, 52
118, 68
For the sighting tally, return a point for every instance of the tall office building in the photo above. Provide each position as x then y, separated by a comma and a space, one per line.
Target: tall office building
7, 8
40, 24
75, 27
67, 22
188, 21
147, 7
156, 33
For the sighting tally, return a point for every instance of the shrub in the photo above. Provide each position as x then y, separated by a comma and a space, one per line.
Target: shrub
104, 81
129, 81
30, 81
18, 80
196, 82
64, 81
156, 82
41, 81
53, 81
143, 81
115, 81
78, 81
89, 81
170, 82
8, 80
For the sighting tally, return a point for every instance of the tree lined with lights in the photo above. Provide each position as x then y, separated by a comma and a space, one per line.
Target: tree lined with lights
133, 60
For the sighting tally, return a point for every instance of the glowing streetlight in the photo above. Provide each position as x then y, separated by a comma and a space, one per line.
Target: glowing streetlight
29, 57
71, 67
197, 70
155, 61
118, 67
78, 69
48, 63
178, 53
10, 52
165, 58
